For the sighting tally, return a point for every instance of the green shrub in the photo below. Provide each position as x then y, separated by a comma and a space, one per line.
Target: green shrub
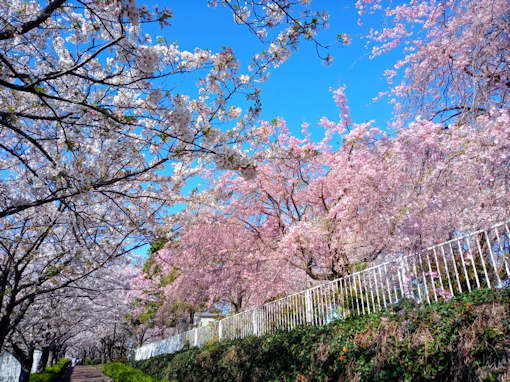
51, 373
122, 373
95, 361
465, 339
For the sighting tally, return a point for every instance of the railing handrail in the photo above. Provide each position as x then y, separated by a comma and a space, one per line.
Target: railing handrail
432, 247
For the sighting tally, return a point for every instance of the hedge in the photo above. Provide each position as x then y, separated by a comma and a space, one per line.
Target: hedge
92, 362
465, 339
51, 373
122, 373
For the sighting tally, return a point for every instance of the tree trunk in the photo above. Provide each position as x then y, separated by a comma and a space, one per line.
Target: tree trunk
4, 324
44, 359
57, 352
51, 358
25, 373
25, 359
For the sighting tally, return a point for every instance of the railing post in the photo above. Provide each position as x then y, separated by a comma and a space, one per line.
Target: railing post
308, 306
405, 279
220, 330
195, 337
255, 323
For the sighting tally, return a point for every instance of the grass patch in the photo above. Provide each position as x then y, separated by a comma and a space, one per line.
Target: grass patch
51, 373
120, 372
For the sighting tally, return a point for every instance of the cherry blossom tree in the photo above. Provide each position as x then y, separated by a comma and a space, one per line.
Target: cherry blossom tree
91, 310
85, 126
224, 261
454, 64
318, 212
307, 211
105, 331
152, 315
49, 323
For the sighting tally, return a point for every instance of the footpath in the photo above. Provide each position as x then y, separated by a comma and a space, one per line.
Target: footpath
84, 374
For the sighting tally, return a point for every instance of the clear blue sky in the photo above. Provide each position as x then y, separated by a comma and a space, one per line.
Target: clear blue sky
298, 90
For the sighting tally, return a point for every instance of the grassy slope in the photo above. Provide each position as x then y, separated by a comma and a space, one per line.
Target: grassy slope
51, 373
466, 339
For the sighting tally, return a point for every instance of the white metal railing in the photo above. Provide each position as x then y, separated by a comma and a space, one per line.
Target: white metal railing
476, 260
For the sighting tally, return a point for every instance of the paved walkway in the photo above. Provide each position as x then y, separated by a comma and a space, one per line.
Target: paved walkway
84, 374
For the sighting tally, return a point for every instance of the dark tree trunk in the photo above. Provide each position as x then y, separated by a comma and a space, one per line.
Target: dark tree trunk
44, 359
25, 373
57, 351
4, 324
141, 338
51, 358
25, 359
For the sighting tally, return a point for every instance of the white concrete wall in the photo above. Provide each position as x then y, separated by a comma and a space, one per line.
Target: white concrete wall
10, 368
